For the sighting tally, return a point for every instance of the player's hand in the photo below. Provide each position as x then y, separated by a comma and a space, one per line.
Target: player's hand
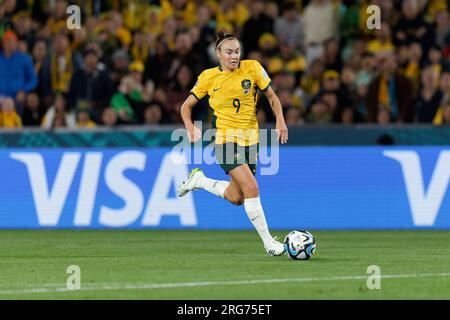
194, 133
282, 131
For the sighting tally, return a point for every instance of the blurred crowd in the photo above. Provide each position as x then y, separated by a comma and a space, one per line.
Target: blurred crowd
135, 61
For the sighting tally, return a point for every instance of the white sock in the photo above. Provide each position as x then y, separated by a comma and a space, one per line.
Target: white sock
216, 187
256, 215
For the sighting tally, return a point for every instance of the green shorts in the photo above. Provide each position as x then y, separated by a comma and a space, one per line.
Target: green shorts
231, 155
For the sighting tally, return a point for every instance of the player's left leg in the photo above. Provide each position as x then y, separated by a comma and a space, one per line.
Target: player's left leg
198, 180
224, 189
234, 193
252, 204
228, 190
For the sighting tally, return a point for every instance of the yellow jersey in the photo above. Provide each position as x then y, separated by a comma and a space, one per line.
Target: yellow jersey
233, 97
10, 120
376, 47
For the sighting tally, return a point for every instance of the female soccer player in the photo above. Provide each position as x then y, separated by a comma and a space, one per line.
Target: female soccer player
232, 88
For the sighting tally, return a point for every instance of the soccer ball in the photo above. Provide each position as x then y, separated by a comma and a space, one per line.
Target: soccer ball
300, 245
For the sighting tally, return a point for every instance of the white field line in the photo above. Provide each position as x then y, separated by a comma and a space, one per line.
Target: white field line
141, 286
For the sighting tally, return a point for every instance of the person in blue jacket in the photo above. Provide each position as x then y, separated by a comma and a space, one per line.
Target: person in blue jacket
17, 74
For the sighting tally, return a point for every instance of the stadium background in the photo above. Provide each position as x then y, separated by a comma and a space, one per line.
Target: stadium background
111, 92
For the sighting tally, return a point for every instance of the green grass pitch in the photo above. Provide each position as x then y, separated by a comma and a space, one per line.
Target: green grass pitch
151, 264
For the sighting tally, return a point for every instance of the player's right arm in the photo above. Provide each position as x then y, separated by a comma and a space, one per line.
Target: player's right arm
199, 90
194, 133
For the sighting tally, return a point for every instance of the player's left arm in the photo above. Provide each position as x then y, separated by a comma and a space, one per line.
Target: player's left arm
277, 109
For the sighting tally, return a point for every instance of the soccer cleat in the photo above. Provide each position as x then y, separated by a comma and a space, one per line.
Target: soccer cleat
191, 182
275, 248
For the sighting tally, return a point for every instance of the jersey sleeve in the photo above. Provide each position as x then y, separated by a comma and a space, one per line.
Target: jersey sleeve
200, 88
262, 79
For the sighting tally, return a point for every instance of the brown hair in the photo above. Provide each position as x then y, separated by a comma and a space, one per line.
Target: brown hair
222, 36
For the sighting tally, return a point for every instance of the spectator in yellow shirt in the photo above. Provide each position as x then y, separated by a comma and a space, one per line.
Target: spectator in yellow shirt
443, 115
119, 30
185, 10
310, 81
412, 70
288, 60
435, 61
233, 12
382, 43
434, 7
8, 115
84, 120
57, 20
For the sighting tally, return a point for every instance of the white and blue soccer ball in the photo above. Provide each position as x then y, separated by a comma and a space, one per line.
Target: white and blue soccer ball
300, 245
